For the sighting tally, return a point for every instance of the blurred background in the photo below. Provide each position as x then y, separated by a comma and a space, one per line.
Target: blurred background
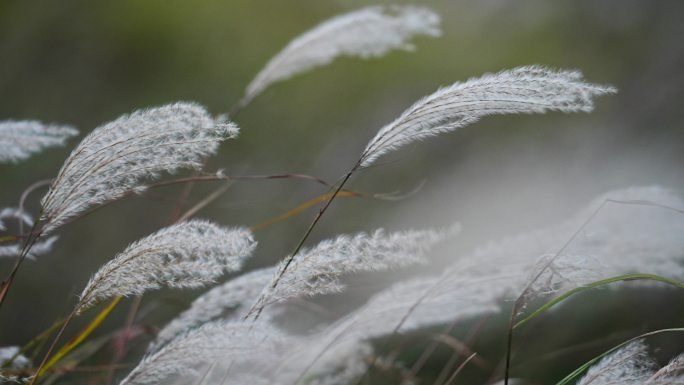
85, 63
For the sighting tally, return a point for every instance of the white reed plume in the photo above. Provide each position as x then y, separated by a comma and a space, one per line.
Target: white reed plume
523, 90
229, 342
13, 249
530, 89
670, 374
115, 158
188, 254
317, 270
613, 240
629, 365
368, 32
621, 239
233, 297
20, 139
632, 236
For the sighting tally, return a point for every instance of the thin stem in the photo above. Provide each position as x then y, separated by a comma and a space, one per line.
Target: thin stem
509, 345
35, 341
203, 203
518, 304
52, 346
313, 224
460, 368
470, 340
30, 241
71, 344
238, 177
425, 356
259, 305
130, 319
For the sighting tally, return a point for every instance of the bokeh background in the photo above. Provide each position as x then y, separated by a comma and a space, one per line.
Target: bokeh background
85, 63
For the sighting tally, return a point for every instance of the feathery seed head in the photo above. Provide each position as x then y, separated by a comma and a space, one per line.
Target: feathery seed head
236, 295
670, 374
630, 365
116, 157
19, 139
317, 270
523, 90
188, 254
366, 33
230, 342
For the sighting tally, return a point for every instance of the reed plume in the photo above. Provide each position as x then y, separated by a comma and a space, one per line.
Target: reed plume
624, 240
231, 298
530, 89
368, 32
523, 90
229, 342
117, 157
188, 254
670, 374
317, 270
630, 365
19, 139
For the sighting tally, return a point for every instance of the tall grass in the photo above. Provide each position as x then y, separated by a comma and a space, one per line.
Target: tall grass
236, 332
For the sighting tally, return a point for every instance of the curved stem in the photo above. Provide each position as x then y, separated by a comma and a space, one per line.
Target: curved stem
626, 277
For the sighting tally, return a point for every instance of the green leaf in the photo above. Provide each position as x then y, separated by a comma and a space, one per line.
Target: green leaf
626, 277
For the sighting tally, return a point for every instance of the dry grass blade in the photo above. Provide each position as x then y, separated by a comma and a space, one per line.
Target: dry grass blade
74, 342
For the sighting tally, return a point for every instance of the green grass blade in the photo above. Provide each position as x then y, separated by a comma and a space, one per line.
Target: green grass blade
626, 277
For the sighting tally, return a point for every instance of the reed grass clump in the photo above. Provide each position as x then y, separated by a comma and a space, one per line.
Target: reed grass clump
237, 332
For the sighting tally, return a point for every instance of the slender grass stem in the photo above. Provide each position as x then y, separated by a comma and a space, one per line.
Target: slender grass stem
459, 369
52, 346
30, 241
259, 305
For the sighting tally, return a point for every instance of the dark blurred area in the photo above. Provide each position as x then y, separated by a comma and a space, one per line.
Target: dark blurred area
85, 63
